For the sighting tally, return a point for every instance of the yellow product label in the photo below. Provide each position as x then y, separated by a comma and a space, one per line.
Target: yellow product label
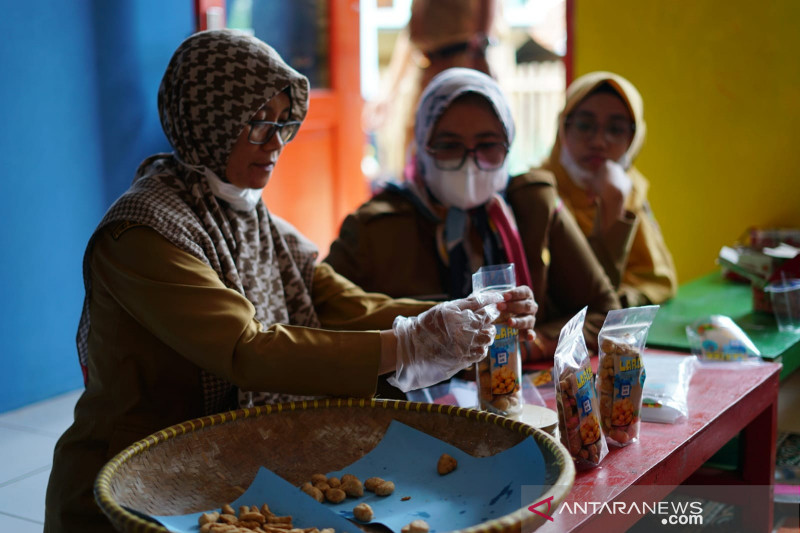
505, 331
630, 363
584, 376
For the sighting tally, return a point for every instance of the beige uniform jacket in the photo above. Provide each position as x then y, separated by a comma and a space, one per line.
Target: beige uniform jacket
633, 251
159, 315
388, 246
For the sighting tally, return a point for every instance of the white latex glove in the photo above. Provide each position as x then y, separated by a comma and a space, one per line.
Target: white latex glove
612, 186
443, 340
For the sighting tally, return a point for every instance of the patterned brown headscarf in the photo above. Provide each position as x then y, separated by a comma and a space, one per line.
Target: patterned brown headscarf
215, 82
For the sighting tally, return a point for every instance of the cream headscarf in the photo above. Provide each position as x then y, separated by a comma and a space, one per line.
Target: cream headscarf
582, 87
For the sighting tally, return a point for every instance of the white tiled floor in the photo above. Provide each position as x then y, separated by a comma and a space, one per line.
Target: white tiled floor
28, 435
27, 438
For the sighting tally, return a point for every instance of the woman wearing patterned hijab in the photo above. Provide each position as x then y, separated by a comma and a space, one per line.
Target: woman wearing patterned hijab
199, 301
604, 190
457, 211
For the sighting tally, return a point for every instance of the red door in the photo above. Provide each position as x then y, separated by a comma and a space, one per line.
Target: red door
318, 179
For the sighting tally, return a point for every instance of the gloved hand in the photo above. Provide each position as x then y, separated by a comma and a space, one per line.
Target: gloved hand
446, 338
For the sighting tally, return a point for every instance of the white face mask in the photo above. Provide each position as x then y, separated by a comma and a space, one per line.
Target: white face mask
239, 199
579, 175
466, 187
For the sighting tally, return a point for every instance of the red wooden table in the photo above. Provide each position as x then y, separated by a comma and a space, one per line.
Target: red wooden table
722, 403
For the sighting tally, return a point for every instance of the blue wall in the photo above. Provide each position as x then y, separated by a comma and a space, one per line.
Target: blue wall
78, 99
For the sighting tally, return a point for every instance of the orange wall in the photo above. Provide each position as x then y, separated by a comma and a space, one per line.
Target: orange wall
318, 179
721, 85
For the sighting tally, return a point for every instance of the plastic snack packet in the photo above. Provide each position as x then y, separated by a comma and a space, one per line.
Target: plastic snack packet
666, 391
620, 373
578, 415
718, 338
499, 374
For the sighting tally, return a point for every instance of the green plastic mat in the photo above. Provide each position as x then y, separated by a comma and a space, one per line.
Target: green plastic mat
714, 295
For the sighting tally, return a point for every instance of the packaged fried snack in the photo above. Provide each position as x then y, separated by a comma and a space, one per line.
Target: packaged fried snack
719, 338
499, 374
621, 373
578, 415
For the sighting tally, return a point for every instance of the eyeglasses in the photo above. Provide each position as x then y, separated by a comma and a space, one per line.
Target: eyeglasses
451, 155
615, 132
261, 131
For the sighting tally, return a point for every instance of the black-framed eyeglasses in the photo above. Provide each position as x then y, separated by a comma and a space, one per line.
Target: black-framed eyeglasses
451, 155
261, 131
617, 131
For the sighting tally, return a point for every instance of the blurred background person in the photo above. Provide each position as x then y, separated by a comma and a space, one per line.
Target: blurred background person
600, 132
440, 34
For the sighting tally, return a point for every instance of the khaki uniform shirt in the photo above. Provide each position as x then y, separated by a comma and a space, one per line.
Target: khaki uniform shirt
388, 246
633, 251
159, 315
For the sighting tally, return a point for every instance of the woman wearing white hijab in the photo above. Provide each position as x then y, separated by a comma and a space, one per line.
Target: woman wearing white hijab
457, 211
198, 300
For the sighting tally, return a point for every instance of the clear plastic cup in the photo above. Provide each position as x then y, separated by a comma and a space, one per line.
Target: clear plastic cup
499, 374
494, 277
785, 298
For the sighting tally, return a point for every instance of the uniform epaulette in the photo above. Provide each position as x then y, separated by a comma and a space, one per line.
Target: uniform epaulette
122, 227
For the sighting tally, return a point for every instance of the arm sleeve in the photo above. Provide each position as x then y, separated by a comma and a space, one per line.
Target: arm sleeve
341, 304
650, 276
182, 302
576, 279
613, 248
574, 276
348, 254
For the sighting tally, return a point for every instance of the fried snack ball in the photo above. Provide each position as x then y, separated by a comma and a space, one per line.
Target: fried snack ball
352, 487
208, 518
335, 495
322, 485
372, 482
317, 478
362, 512
227, 509
417, 526
446, 464
385, 488
313, 491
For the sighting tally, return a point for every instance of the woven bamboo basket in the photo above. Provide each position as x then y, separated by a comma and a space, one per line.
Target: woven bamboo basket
195, 465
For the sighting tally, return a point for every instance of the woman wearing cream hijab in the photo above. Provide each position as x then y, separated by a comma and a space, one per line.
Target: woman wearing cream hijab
601, 131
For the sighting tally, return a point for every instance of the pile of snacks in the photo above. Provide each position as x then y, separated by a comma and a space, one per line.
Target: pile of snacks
334, 490
249, 519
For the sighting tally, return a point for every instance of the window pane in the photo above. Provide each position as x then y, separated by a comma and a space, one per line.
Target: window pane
297, 29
